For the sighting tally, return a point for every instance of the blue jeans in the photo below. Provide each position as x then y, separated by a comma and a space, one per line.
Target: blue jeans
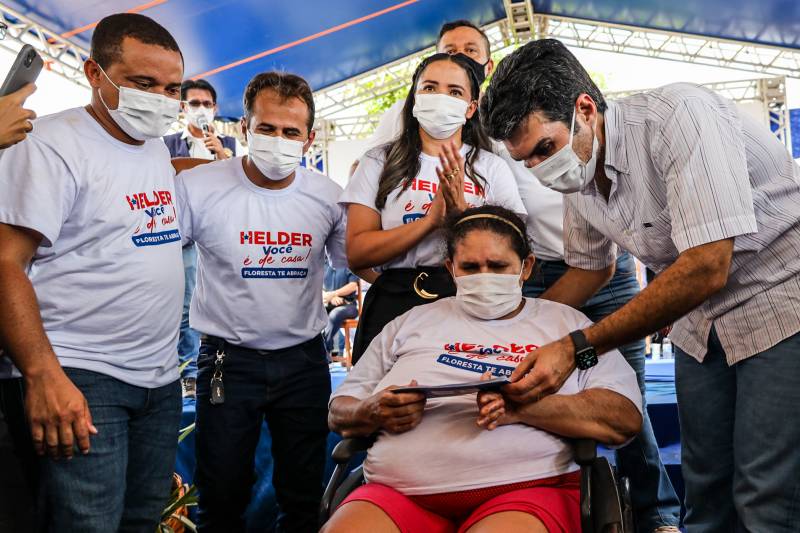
289, 388
189, 340
336, 317
740, 439
653, 497
123, 483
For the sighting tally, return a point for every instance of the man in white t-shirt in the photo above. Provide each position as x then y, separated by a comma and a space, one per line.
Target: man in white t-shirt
263, 226
92, 281
199, 140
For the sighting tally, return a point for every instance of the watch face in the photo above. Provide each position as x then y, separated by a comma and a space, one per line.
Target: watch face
586, 359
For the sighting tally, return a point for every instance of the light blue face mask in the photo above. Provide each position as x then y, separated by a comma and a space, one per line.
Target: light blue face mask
564, 171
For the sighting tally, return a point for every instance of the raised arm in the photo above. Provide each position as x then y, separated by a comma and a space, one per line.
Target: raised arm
57, 411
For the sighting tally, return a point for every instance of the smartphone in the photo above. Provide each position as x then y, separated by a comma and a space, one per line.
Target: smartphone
26, 69
455, 389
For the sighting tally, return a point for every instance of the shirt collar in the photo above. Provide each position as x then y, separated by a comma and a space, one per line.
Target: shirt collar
616, 156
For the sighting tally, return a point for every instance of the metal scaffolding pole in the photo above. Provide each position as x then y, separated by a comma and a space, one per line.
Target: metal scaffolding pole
60, 55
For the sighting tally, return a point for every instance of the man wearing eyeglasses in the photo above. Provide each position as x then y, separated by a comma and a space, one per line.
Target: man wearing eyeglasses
15, 121
199, 140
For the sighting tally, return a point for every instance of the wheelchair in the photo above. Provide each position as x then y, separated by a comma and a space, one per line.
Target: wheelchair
605, 502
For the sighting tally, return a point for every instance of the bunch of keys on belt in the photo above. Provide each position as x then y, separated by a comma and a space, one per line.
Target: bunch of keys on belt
217, 387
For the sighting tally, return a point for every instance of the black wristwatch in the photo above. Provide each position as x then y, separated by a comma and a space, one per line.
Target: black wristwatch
585, 354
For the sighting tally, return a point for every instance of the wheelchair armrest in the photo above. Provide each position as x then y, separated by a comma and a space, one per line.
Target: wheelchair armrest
348, 447
342, 453
585, 451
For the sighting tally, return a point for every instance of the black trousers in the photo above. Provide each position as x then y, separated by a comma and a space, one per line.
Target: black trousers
19, 466
394, 293
290, 389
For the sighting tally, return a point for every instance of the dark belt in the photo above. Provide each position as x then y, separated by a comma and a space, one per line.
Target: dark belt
222, 345
426, 282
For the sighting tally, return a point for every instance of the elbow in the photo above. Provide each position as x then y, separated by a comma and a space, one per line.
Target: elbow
624, 430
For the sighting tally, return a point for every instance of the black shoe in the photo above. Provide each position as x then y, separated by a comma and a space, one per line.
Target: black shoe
189, 387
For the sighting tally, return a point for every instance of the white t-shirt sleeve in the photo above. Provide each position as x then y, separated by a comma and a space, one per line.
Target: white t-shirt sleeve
389, 126
375, 363
334, 246
39, 190
363, 185
184, 209
503, 190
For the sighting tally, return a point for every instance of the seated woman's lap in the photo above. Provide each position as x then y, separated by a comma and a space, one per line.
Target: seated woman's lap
557, 507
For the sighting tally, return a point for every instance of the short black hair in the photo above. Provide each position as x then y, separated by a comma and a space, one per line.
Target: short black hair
112, 30
286, 85
198, 84
463, 23
541, 76
500, 221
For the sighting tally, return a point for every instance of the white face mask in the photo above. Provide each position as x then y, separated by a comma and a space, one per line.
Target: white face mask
564, 171
275, 157
440, 115
193, 116
489, 296
140, 114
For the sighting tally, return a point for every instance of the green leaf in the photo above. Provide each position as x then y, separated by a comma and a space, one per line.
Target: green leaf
185, 432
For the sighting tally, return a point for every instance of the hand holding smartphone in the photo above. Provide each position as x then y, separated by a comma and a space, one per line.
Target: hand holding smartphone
15, 121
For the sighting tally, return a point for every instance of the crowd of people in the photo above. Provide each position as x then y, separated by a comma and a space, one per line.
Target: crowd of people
497, 224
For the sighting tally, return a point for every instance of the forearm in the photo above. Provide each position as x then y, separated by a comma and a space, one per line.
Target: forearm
349, 417
367, 274
21, 330
375, 247
687, 283
576, 286
598, 414
346, 290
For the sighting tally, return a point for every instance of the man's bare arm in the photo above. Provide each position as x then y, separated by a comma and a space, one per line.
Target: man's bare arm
57, 411
576, 286
693, 278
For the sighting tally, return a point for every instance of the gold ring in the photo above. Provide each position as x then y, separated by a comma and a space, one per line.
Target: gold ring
422, 293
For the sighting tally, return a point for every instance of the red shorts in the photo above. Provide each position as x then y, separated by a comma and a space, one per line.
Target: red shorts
555, 501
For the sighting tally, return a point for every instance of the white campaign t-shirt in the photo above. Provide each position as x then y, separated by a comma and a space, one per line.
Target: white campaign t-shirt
403, 207
545, 209
108, 275
261, 253
438, 344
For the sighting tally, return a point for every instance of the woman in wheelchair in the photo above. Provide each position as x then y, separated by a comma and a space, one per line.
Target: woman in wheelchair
460, 464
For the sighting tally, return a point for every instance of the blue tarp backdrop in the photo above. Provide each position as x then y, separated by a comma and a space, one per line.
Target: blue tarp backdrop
327, 41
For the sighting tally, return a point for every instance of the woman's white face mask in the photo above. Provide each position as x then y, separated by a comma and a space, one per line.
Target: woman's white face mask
140, 114
564, 171
440, 115
489, 296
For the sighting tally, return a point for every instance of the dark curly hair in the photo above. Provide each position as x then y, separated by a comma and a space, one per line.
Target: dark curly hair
496, 219
541, 76
285, 85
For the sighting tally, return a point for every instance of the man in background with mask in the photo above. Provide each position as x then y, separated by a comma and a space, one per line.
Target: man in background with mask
198, 140
92, 282
457, 37
708, 198
263, 226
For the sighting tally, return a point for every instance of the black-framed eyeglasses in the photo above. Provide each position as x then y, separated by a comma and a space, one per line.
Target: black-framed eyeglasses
3, 30
208, 104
